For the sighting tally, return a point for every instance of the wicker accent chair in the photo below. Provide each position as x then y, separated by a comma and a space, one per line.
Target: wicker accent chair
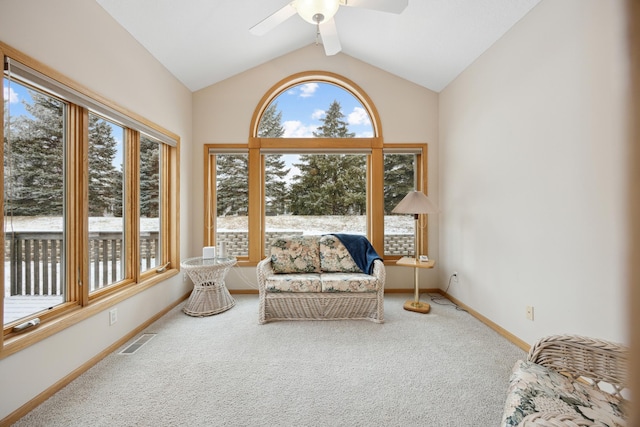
569, 380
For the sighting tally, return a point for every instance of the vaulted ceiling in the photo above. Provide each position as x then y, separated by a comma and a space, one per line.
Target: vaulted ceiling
202, 42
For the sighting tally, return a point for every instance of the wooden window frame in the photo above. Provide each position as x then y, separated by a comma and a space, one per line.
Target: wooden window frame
79, 304
374, 146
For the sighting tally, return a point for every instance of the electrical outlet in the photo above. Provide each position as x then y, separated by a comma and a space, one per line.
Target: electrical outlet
113, 316
529, 312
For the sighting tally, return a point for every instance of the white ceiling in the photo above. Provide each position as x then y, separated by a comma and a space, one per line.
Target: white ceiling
202, 42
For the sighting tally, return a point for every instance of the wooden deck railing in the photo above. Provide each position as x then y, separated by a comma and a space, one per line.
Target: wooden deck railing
34, 265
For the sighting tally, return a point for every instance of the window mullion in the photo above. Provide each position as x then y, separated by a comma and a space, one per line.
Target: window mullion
256, 185
421, 182
77, 200
132, 204
169, 246
210, 197
375, 205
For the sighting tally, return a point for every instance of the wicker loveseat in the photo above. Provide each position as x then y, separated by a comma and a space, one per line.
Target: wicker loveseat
316, 278
569, 381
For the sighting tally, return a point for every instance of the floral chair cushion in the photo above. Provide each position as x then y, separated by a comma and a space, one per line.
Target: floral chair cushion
334, 256
534, 388
309, 282
348, 282
295, 254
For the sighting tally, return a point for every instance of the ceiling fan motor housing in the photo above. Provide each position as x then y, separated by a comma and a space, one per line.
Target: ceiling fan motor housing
316, 11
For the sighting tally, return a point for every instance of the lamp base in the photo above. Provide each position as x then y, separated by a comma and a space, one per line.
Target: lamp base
418, 307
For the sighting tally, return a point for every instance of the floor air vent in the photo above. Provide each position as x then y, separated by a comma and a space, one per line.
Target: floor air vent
137, 344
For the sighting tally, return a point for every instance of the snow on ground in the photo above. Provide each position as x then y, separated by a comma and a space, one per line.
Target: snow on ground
47, 223
394, 224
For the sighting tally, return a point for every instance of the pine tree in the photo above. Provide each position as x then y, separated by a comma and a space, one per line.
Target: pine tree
118, 191
330, 184
102, 151
276, 193
271, 123
34, 159
398, 179
333, 124
232, 184
275, 185
149, 178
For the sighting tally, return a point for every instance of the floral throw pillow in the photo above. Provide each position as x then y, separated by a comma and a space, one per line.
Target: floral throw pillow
334, 256
295, 254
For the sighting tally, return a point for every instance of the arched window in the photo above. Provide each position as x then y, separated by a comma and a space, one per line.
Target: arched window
315, 163
315, 109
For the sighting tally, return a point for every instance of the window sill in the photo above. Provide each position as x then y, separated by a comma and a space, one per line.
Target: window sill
77, 314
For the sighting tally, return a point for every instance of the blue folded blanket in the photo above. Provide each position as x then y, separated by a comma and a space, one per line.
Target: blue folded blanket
360, 249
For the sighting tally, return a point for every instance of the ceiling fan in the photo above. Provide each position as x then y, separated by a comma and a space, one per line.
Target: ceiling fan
320, 13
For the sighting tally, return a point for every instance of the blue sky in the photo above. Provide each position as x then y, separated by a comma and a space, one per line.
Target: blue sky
14, 94
304, 105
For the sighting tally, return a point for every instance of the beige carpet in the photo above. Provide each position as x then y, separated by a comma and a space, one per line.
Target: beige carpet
440, 369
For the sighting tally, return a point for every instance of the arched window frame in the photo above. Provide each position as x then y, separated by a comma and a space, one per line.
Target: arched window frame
256, 146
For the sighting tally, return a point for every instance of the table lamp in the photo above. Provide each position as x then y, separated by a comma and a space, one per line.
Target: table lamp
416, 203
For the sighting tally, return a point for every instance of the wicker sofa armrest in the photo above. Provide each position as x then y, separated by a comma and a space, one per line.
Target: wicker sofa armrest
379, 272
589, 359
264, 269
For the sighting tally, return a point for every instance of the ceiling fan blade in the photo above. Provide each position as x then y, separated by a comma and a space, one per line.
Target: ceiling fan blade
330, 39
273, 20
391, 6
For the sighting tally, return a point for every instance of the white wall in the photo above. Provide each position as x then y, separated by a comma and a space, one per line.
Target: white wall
102, 61
408, 112
532, 174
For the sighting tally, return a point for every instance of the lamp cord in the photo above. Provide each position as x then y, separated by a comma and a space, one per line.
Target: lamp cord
437, 299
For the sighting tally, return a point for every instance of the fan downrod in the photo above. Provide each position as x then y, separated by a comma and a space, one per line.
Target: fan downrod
318, 18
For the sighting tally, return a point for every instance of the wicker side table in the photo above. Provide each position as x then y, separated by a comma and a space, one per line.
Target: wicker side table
210, 295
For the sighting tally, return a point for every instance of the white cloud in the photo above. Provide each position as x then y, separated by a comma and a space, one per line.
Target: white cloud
308, 89
296, 129
318, 114
11, 95
368, 134
358, 116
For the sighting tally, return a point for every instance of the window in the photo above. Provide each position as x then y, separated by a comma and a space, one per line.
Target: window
338, 204
315, 163
34, 209
106, 201
89, 195
231, 202
400, 178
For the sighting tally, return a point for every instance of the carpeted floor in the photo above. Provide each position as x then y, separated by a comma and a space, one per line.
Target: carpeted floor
444, 368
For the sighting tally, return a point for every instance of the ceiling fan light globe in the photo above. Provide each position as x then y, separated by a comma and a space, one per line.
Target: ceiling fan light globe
309, 9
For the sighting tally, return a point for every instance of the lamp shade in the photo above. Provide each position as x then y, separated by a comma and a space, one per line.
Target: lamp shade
415, 203
307, 9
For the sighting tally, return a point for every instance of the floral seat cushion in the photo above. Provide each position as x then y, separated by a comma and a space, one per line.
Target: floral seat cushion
295, 254
309, 282
534, 388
